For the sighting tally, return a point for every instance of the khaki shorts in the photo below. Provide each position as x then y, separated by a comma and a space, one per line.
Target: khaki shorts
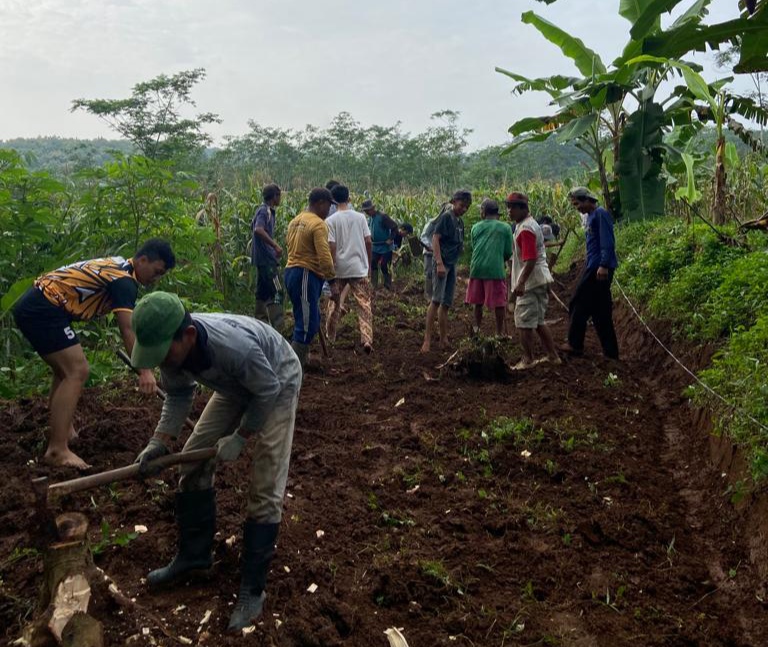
531, 307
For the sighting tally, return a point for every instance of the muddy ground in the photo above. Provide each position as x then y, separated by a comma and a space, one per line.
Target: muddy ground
570, 505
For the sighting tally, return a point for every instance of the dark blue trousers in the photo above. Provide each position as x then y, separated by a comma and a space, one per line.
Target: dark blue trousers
304, 288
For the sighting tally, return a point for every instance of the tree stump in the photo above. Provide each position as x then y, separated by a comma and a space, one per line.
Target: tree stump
65, 593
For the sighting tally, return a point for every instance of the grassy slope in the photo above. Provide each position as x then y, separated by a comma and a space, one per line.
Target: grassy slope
711, 292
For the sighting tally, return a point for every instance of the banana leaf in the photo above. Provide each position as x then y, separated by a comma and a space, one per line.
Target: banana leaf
695, 13
576, 128
689, 192
679, 41
587, 61
552, 85
641, 186
645, 16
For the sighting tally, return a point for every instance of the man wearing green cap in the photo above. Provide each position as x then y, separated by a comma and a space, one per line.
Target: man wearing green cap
255, 377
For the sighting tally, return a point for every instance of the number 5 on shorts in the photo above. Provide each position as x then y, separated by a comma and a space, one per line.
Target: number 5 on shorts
69, 332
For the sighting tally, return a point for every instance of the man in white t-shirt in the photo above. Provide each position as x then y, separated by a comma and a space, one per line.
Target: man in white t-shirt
349, 238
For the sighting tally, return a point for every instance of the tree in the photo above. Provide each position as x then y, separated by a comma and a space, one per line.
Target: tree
592, 109
151, 117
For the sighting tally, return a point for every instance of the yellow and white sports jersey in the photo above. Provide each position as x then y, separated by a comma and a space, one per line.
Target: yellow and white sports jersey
88, 289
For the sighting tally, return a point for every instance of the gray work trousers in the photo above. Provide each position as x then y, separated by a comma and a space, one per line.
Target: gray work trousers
270, 447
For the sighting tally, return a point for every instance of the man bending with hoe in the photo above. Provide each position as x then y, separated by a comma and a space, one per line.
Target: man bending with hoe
255, 377
82, 291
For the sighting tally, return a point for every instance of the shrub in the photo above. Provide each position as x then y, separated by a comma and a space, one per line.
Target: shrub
739, 373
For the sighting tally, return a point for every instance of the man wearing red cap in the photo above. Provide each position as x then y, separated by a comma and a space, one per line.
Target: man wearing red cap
530, 282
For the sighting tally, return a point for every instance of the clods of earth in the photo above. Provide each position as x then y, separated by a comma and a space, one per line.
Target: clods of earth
563, 505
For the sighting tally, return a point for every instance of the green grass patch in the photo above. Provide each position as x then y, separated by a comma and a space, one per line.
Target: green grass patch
711, 292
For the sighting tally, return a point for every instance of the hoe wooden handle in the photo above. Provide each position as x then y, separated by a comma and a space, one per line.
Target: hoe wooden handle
127, 361
160, 393
127, 472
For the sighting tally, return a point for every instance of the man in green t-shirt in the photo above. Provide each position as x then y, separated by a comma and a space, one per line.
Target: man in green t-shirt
491, 248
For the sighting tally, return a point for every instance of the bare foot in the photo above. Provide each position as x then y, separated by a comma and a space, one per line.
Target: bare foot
425, 347
66, 458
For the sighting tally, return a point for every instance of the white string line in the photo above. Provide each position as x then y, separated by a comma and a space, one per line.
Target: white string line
706, 387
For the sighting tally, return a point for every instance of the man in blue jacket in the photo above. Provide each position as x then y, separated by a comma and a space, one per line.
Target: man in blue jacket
592, 297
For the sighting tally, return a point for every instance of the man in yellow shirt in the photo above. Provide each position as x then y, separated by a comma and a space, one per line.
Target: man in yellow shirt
309, 264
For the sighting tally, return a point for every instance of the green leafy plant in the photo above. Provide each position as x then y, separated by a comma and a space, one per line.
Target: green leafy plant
611, 381
110, 538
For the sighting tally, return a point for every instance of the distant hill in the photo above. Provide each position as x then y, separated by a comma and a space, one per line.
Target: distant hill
63, 156
485, 167
545, 160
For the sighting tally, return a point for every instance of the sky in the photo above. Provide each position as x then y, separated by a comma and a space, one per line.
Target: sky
290, 63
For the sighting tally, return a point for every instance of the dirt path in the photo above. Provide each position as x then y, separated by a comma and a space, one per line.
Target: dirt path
571, 506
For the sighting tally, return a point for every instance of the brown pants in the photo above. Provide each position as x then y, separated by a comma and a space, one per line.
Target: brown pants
361, 290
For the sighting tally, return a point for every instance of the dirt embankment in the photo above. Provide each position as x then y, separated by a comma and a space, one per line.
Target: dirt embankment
571, 505
726, 459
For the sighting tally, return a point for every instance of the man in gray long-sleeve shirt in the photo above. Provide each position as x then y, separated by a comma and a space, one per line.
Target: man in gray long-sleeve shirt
255, 377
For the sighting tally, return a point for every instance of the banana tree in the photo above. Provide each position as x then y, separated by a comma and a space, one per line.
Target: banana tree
593, 109
713, 102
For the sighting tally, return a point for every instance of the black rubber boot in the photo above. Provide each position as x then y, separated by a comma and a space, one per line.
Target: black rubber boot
258, 550
261, 312
302, 351
196, 520
388, 281
275, 313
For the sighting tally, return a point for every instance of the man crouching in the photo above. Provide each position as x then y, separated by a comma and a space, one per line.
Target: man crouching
255, 377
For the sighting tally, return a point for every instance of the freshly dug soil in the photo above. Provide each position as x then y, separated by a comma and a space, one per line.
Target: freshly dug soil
569, 505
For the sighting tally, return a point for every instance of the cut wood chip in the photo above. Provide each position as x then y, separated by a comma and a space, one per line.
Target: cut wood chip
447, 362
71, 597
248, 630
184, 640
312, 588
206, 617
400, 403
140, 529
395, 637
